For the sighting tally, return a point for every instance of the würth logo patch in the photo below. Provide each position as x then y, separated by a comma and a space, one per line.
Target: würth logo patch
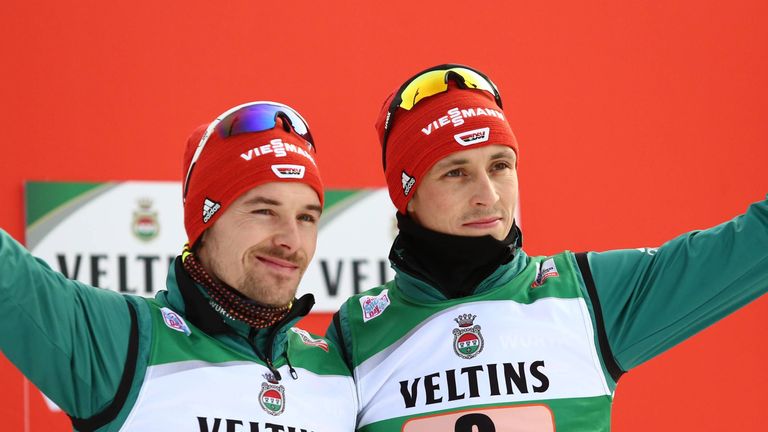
289, 171
210, 208
473, 137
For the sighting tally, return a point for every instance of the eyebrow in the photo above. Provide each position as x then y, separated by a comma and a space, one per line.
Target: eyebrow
262, 200
312, 207
268, 201
506, 153
451, 162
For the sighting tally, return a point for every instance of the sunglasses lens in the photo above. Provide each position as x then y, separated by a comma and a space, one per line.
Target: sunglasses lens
474, 80
436, 81
261, 117
425, 85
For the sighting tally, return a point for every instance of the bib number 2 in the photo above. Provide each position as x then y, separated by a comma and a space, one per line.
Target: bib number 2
474, 423
525, 418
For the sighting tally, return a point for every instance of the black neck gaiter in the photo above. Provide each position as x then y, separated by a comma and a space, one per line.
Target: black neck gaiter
455, 265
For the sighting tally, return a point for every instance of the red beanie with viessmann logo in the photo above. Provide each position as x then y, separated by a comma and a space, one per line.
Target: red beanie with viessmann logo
229, 167
436, 127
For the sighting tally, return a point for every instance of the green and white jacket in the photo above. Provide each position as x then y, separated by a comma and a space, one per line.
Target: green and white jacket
542, 342
172, 363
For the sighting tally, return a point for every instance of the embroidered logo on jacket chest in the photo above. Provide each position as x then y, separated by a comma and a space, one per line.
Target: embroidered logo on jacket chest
467, 339
174, 321
272, 396
544, 271
309, 340
374, 306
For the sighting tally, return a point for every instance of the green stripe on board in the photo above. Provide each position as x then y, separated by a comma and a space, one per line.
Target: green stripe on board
43, 197
335, 196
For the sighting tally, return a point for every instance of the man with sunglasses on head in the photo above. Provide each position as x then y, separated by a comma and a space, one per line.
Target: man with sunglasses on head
475, 335
216, 351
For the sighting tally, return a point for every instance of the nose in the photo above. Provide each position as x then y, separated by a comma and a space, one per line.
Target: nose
484, 193
287, 236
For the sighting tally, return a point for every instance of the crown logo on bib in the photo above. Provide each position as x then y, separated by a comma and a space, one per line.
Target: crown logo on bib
465, 320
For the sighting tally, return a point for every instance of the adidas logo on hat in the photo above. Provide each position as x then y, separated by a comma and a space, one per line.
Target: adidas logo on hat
408, 183
209, 209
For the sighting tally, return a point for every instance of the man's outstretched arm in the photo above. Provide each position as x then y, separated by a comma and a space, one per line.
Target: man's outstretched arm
68, 338
653, 299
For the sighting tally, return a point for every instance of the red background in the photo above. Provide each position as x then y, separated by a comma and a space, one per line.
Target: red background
637, 121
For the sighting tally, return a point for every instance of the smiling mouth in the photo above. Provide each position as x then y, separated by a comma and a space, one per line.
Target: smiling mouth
278, 264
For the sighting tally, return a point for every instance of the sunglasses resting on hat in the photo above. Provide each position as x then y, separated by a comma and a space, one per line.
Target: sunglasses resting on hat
251, 117
431, 82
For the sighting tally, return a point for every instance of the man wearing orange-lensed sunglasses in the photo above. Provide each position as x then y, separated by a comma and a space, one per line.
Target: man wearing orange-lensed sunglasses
475, 335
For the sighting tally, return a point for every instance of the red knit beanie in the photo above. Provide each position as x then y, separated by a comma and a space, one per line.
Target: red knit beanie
437, 126
229, 167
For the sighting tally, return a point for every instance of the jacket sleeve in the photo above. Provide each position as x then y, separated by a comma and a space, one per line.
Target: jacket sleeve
68, 338
653, 299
